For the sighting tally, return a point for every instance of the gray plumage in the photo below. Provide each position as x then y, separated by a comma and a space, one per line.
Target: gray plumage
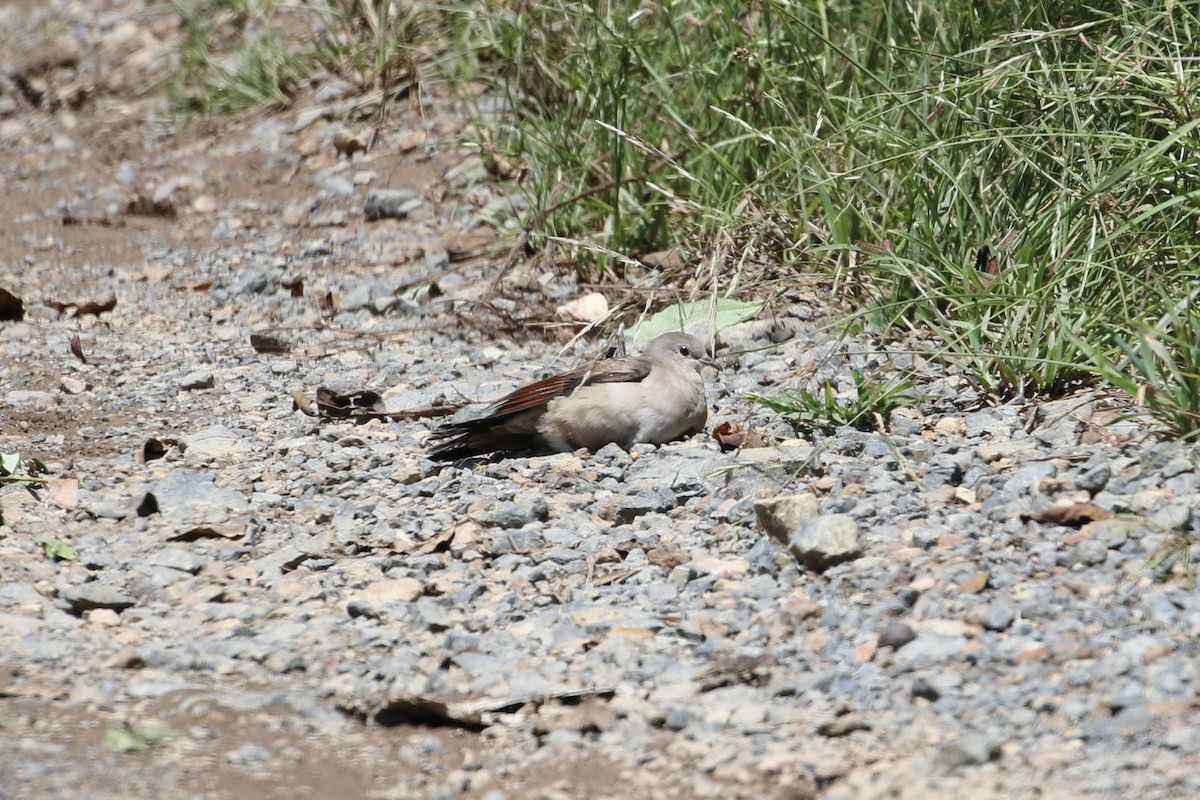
653, 397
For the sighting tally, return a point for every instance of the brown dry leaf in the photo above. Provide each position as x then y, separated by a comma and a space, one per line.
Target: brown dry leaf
355, 404
987, 263
272, 343
347, 143
77, 348
366, 404
735, 437
295, 286
153, 449
83, 307
204, 532
1073, 516
196, 286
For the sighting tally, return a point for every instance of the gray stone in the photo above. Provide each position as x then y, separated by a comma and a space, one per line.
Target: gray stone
780, 516
1172, 516
1177, 466
434, 614
1029, 476
968, 750
196, 381
215, 441
179, 559
1093, 479
390, 204
941, 471
522, 540
98, 595
997, 617
1112, 533
518, 513
1089, 552
895, 635
822, 542
361, 608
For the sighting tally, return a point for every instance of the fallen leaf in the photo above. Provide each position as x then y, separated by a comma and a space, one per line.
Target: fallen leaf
131, 739
197, 286
1072, 516
295, 286
84, 307
77, 348
270, 343
58, 551
986, 262
735, 437
227, 531
366, 404
590, 307
718, 313
347, 143
153, 449
334, 404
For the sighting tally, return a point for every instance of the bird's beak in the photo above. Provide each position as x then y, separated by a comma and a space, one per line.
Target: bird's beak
709, 361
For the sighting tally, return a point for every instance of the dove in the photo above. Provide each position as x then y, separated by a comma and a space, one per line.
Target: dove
653, 397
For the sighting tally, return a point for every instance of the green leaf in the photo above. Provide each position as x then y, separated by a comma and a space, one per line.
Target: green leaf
59, 551
9, 463
133, 739
720, 313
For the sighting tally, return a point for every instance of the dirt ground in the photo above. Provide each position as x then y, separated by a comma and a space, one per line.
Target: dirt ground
84, 150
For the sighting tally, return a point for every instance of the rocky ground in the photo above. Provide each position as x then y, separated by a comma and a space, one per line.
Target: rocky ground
263, 603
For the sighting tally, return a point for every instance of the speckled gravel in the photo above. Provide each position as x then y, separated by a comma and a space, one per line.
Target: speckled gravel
284, 605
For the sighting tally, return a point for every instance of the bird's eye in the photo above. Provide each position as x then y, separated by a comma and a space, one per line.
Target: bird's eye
684, 351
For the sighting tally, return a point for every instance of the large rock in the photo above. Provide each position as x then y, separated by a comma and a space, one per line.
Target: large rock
817, 541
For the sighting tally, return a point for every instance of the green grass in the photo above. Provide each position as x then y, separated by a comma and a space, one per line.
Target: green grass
780, 141
867, 409
235, 55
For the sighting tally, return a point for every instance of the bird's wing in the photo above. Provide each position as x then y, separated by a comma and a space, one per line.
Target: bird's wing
511, 422
537, 394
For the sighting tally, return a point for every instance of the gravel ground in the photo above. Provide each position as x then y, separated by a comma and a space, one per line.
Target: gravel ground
267, 604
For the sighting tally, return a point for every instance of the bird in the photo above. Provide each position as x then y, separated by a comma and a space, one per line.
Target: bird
654, 397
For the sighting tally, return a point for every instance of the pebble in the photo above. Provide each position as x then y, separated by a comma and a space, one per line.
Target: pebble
390, 204
98, 595
997, 617
967, 750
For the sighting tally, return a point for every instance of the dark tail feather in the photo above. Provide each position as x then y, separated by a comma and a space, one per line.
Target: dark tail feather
454, 443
